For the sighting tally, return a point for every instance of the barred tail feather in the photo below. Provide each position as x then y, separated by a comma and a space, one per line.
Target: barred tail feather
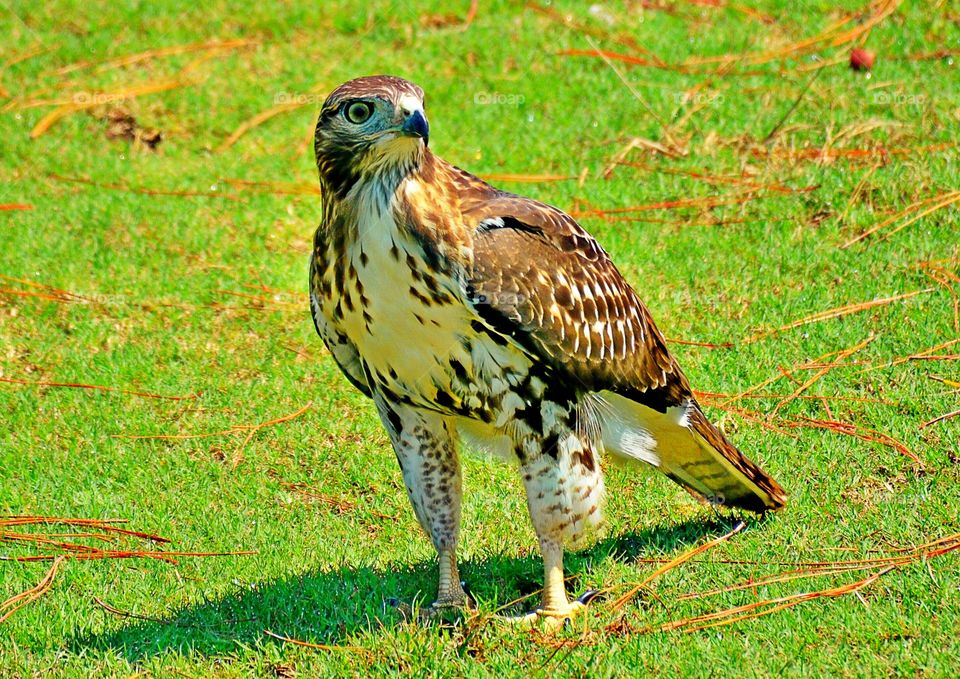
684, 445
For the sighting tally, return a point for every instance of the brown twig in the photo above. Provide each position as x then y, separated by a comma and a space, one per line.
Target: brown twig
714, 395
340, 504
822, 154
88, 101
939, 419
623, 600
832, 36
28, 54
779, 578
946, 279
815, 364
262, 301
837, 312
471, 15
96, 387
664, 128
27, 293
829, 37
737, 614
93, 554
708, 345
123, 614
792, 108
942, 380
107, 525
235, 429
746, 182
625, 58
259, 119
704, 202
130, 59
929, 206
50, 292
846, 353
636, 143
18, 601
906, 556
272, 187
527, 178
850, 429
238, 454
77, 551
912, 357
322, 647
80, 551
143, 190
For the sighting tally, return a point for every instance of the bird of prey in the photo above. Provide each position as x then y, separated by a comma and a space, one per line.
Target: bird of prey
466, 312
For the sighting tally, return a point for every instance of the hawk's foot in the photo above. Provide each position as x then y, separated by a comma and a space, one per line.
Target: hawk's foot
449, 606
553, 617
454, 598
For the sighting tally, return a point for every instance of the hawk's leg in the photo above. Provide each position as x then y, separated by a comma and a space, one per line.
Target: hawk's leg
425, 444
564, 493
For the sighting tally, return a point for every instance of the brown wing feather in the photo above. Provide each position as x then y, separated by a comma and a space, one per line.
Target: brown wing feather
536, 268
733, 491
543, 271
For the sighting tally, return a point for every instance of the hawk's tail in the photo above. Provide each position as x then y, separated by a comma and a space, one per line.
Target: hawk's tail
686, 447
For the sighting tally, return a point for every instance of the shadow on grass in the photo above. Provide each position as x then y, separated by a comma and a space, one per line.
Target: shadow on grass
327, 606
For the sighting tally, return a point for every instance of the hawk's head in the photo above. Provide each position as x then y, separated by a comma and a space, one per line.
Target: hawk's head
370, 127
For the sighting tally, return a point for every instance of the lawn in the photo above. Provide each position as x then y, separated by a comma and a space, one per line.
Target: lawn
791, 223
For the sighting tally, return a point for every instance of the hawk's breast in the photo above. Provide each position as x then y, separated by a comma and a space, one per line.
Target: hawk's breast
410, 322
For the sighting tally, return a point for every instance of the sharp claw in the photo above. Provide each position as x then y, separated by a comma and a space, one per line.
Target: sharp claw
589, 596
469, 602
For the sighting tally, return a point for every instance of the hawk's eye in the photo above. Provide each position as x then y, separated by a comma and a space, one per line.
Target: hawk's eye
358, 112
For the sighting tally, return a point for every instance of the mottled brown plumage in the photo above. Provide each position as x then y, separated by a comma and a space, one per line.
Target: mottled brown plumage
465, 310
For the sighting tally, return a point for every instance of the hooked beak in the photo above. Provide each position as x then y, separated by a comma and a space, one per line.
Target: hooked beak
415, 125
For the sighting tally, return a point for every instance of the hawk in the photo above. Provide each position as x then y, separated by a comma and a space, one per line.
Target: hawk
468, 312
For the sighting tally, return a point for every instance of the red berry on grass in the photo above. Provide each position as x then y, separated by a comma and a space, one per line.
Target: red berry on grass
861, 59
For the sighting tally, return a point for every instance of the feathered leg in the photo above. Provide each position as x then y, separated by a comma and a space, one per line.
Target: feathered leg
425, 445
564, 488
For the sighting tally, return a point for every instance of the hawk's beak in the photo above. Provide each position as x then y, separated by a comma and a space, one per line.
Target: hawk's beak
416, 126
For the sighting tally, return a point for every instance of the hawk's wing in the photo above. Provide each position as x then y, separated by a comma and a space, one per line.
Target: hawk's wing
536, 267
540, 278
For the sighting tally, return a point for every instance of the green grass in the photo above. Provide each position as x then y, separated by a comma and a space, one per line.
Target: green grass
159, 272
